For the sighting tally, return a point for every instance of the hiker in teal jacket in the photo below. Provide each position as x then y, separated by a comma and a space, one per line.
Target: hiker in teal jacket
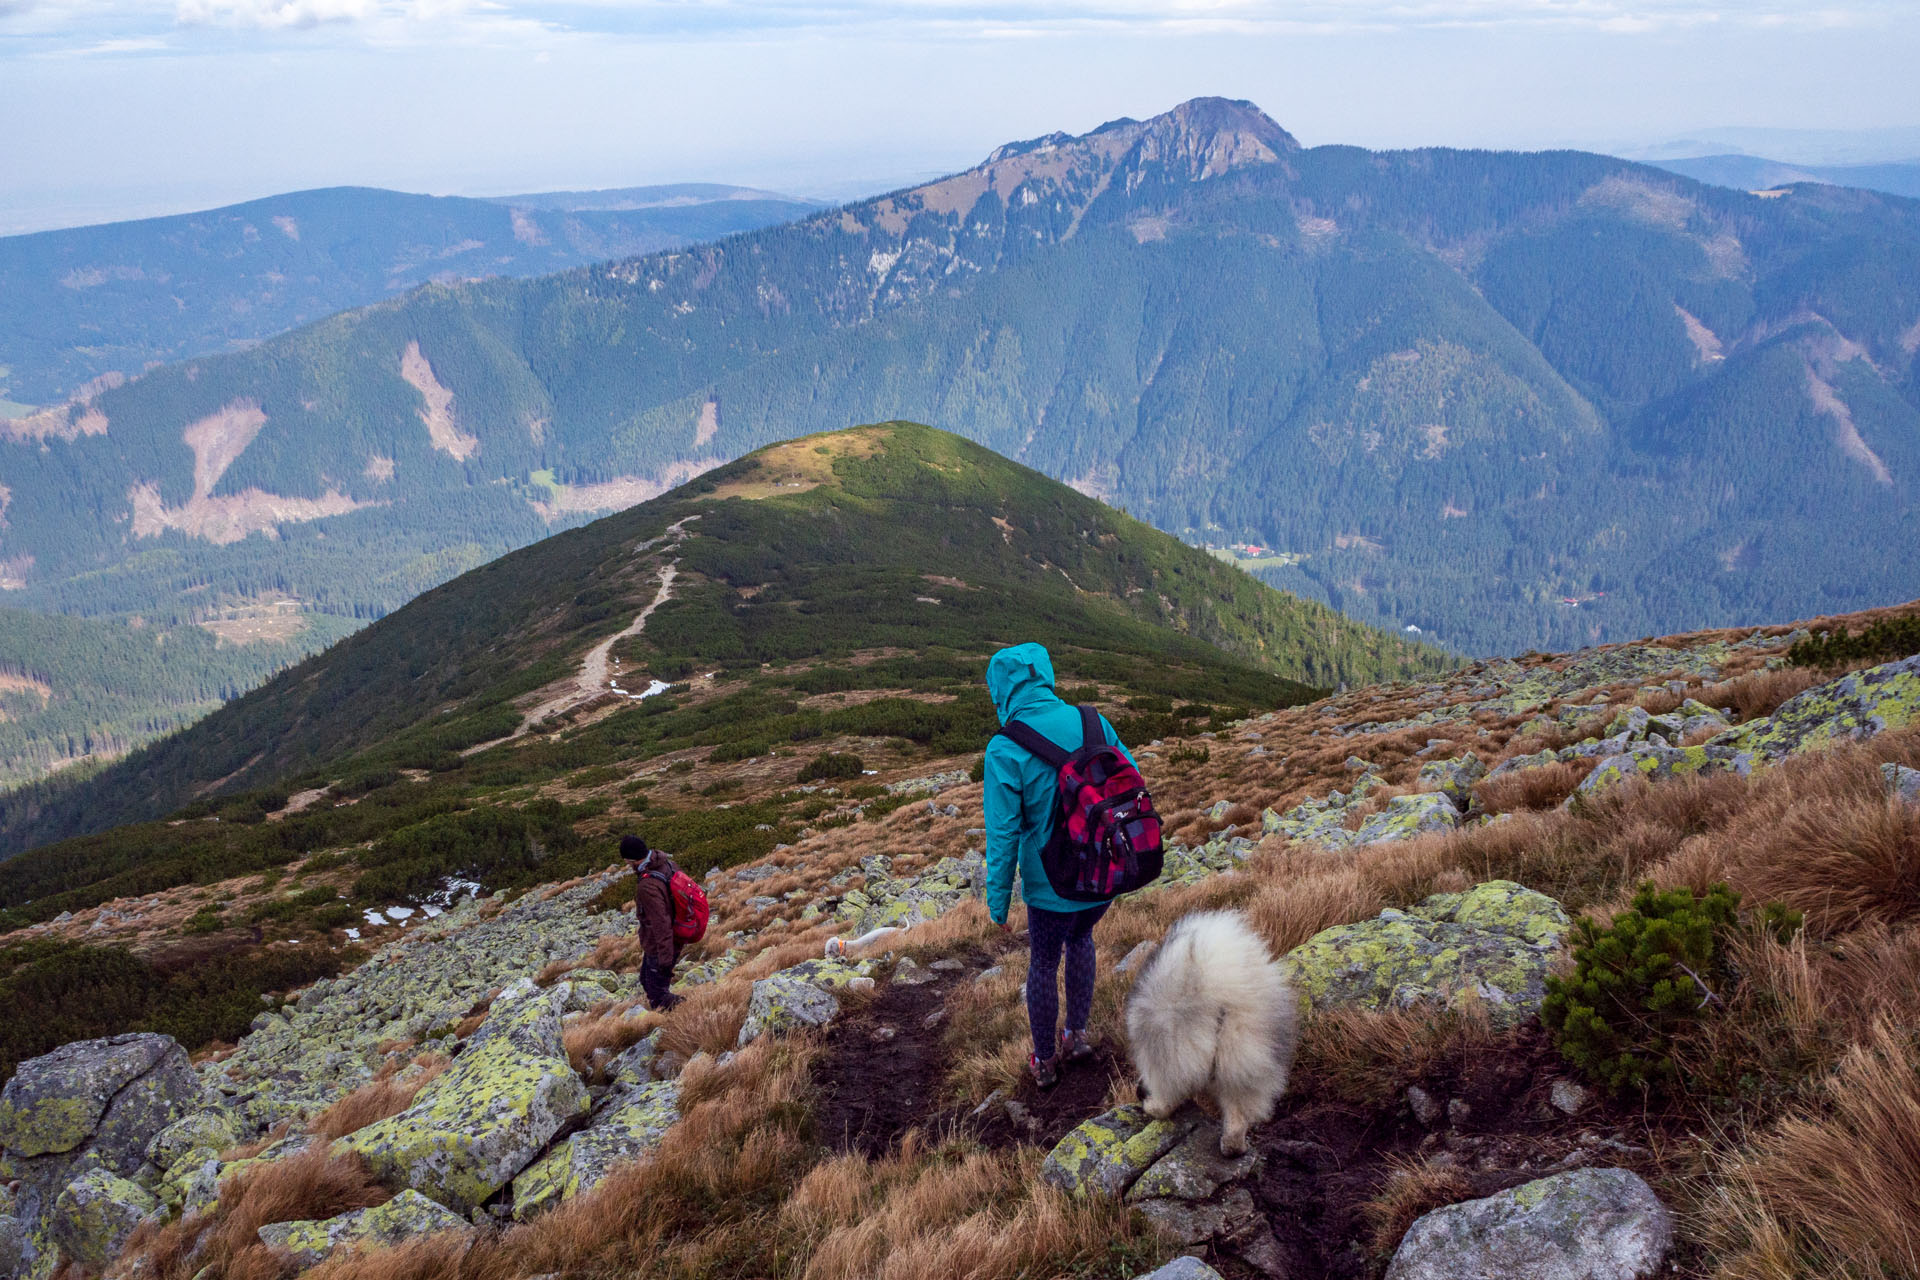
1020, 803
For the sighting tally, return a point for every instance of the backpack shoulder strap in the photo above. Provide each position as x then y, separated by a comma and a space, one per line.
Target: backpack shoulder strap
1091, 735
1030, 738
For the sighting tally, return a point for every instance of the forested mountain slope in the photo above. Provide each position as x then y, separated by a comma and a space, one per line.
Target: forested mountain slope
113, 300
888, 558
1452, 389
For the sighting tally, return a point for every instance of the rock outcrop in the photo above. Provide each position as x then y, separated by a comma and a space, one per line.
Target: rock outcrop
471, 1130
625, 1127
1590, 1224
1494, 944
75, 1126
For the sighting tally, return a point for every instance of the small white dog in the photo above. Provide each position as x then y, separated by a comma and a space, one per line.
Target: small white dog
1212, 1012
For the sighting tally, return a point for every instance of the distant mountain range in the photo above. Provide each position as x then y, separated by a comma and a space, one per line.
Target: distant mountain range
110, 301
1753, 173
1516, 400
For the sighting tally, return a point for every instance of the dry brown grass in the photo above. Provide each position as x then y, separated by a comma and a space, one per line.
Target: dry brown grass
385, 1095
708, 1189
1833, 1189
1817, 833
1527, 790
615, 1032
949, 1212
1414, 1188
312, 1184
1369, 1056
1760, 693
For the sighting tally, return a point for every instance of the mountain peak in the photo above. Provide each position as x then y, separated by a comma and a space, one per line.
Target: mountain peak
1200, 138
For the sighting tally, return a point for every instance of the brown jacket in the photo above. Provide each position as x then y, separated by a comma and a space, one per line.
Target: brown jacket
653, 904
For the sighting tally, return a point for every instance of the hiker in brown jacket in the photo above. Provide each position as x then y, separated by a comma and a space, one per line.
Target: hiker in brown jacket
653, 906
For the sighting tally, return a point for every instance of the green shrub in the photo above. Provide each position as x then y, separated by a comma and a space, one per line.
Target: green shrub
978, 772
1638, 983
832, 765
1188, 755
208, 919
745, 749
1883, 641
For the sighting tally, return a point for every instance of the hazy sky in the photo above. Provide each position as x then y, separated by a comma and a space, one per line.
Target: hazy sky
112, 108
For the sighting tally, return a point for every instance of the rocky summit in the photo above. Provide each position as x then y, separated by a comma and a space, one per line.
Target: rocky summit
1428, 859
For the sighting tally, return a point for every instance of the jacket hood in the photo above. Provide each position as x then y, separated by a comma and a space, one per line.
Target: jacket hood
1020, 680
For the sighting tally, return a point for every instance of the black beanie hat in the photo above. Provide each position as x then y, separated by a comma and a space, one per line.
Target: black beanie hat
633, 848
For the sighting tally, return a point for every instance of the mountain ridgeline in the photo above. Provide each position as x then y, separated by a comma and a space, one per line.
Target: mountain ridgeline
88, 303
1513, 399
890, 558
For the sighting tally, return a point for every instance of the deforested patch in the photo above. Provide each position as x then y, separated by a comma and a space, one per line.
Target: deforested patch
230, 517
378, 468
709, 424
442, 427
1705, 341
219, 438
1846, 434
620, 492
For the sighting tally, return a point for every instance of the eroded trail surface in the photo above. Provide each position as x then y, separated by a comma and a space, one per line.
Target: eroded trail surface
594, 679
1323, 1159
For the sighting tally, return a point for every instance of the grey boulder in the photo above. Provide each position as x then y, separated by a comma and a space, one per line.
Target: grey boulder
1589, 1224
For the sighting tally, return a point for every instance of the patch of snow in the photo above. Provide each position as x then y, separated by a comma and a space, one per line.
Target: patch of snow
374, 918
399, 913
352, 933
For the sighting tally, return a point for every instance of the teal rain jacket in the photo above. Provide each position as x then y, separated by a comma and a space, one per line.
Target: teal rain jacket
1021, 796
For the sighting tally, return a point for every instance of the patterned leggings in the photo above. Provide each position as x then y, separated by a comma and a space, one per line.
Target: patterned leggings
1048, 934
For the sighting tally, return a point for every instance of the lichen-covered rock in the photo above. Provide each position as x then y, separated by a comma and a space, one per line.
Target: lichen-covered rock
200, 1134
1859, 705
408, 1216
636, 1064
327, 1043
1903, 784
1590, 1224
798, 996
121, 1088
96, 1213
1105, 1155
1454, 776
476, 1126
626, 1126
1195, 1169
1515, 764
1494, 944
13, 1244
1657, 763
906, 901
1321, 821
1408, 816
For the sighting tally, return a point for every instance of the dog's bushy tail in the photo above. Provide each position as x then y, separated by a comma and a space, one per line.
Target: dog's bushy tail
1213, 1009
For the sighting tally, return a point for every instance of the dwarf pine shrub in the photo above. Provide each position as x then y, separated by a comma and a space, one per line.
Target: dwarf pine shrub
1640, 982
1882, 641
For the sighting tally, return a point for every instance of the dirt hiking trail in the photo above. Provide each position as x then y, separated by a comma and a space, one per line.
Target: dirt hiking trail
594, 680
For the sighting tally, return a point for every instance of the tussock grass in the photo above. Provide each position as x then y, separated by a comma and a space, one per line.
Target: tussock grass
1832, 1190
1415, 1187
311, 1184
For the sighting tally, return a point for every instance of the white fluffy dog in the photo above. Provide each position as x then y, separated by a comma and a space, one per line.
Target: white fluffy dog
1212, 1012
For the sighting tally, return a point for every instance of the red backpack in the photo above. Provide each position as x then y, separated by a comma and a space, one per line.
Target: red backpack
1106, 835
689, 904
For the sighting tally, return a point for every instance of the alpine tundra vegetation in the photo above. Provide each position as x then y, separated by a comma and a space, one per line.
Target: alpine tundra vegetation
469, 1083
